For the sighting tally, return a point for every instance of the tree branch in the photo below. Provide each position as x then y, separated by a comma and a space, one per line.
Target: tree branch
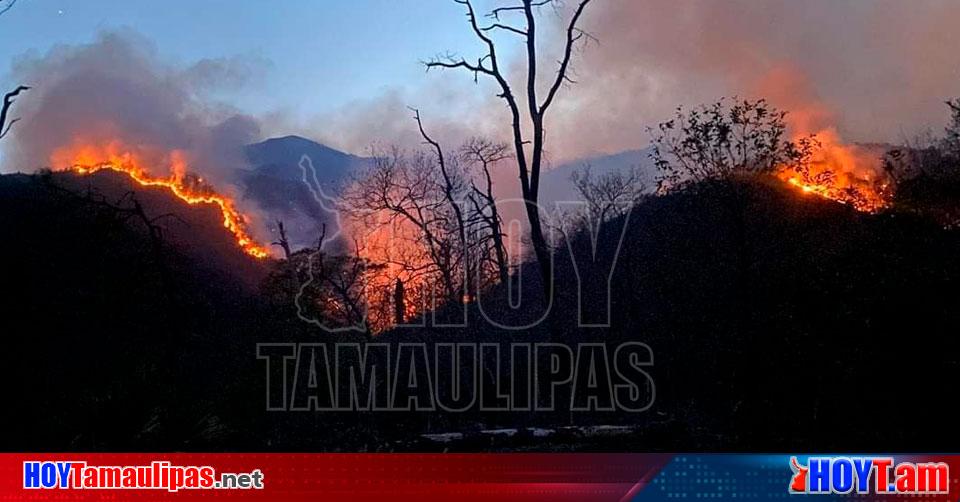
283, 242
500, 26
8, 100
495, 13
573, 35
8, 7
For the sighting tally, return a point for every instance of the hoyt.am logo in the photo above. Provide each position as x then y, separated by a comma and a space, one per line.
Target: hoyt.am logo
878, 475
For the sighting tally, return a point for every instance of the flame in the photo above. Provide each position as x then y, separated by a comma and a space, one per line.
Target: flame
843, 173
89, 159
397, 247
848, 174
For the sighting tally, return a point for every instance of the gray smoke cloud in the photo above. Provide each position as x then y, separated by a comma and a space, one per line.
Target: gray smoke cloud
452, 107
878, 70
117, 88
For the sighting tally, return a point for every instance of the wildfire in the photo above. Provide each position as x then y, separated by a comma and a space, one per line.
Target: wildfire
843, 173
396, 246
87, 160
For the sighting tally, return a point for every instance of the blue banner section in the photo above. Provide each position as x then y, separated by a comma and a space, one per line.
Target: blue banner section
823, 477
729, 477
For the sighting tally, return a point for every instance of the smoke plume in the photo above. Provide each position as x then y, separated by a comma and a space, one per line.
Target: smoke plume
875, 70
116, 89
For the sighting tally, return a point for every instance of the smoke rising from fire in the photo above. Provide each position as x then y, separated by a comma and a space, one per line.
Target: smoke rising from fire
116, 88
853, 71
875, 70
848, 71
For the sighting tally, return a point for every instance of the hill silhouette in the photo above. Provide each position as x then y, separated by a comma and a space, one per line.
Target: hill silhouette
275, 182
280, 158
778, 321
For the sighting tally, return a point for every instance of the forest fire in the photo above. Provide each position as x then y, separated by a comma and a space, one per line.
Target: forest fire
87, 160
843, 173
401, 257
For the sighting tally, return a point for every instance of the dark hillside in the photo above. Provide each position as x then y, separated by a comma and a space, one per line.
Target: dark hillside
778, 321
817, 317
113, 342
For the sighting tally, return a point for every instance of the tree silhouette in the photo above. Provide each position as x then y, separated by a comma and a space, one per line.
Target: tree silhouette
489, 65
401, 192
608, 195
399, 303
451, 188
8, 100
282, 240
951, 142
716, 141
484, 153
6, 5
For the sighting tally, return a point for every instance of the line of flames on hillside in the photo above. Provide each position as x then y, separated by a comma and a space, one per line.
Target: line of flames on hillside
191, 189
838, 172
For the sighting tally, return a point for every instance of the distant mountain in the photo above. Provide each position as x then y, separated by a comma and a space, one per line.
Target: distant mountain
275, 182
280, 158
556, 186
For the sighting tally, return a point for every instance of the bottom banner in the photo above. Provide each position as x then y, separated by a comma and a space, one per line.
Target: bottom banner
503, 477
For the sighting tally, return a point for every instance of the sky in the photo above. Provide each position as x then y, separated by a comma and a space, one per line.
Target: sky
315, 56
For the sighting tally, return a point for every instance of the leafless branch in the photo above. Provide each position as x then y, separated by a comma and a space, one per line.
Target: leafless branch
10, 4
8, 100
529, 168
283, 242
495, 13
574, 34
500, 26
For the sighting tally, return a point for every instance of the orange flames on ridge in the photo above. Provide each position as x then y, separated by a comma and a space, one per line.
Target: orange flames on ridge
847, 174
89, 159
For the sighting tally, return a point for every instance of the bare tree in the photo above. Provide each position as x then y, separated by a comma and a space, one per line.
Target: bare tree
282, 241
124, 210
609, 195
402, 192
427, 219
925, 171
451, 188
399, 303
951, 142
8, 100
485, 215
334, 291
489, 65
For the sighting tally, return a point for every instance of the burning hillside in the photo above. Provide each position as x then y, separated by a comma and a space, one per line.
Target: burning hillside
114, 104
190, 188
848, 174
